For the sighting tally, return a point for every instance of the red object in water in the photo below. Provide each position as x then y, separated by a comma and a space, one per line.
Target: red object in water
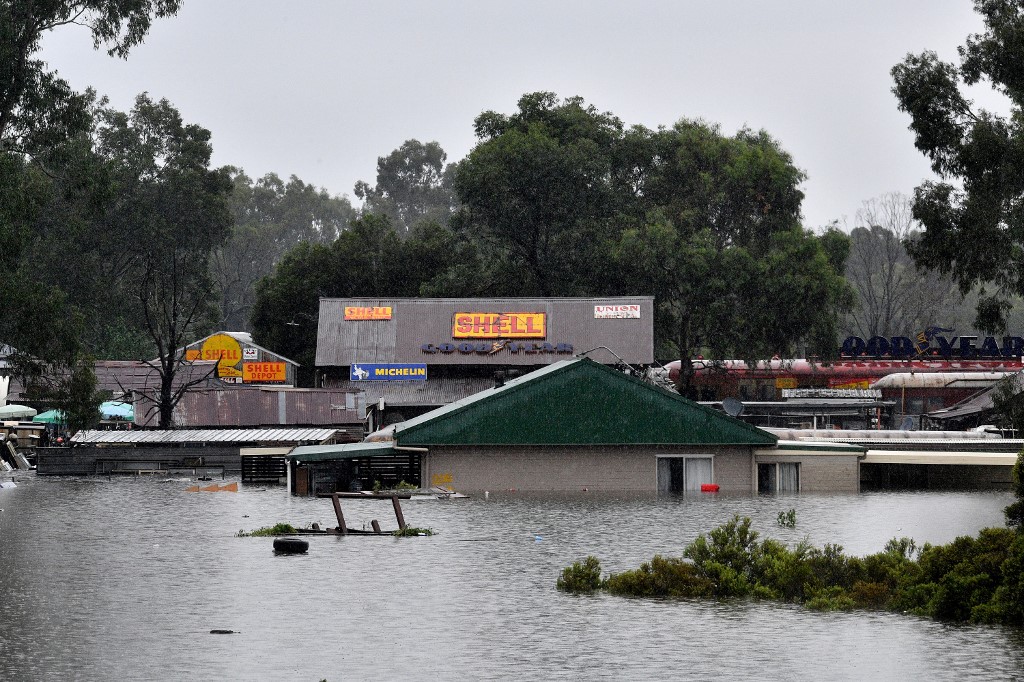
709, 487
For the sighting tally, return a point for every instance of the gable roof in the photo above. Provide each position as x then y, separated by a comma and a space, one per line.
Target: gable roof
577, 402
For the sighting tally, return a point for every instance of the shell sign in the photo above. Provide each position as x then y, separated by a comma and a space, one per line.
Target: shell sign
224, 349
499, 326
264, 372
367, 313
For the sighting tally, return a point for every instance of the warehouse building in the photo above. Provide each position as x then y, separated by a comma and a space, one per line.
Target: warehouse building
410, 356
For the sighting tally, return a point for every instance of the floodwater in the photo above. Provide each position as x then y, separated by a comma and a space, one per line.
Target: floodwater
125, 578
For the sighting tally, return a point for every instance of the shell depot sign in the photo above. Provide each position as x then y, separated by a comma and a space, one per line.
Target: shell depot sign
235, 363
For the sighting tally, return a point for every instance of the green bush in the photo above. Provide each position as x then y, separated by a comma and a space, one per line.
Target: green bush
979, 580
662, 577
830, 599
581, 577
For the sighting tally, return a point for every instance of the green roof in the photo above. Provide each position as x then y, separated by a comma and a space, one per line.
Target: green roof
577, 402
320, 453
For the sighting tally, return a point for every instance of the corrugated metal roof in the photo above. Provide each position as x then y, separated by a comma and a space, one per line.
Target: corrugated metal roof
939, 457
228, 406
940, 379
418, 321
981, 402
97, 437
801, 447
430, 393
319, 453
244, 338
123, 377
576, 402
855, 435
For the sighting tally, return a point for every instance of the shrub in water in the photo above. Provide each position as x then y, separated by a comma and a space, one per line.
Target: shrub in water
277, 529
662, 577
581, 577
978, 580
830, 599
409, 532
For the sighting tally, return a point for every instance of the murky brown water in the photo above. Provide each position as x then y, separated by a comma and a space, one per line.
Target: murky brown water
124, 579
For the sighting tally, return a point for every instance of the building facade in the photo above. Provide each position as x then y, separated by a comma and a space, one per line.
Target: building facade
409, 356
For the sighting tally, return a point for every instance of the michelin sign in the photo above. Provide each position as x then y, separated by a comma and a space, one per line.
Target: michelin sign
375, 372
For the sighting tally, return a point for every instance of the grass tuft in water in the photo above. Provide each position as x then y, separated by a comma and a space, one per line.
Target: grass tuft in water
266, 531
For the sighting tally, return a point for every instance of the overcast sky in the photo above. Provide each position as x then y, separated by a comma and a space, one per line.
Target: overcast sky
320, 89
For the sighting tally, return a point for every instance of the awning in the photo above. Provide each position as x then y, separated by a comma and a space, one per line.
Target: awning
113, 409
323, 453
16, 412
926, 457
50, 417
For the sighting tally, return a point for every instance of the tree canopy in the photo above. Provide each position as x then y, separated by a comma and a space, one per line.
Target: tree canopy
414, 184
974, 214
561, 199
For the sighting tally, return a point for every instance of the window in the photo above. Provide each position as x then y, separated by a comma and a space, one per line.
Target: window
778, 477
678, 474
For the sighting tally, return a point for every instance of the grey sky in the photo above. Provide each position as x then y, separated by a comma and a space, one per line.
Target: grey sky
320, 89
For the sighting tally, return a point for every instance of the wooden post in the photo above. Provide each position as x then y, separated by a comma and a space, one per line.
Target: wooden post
376, 526
398, 512
337, 512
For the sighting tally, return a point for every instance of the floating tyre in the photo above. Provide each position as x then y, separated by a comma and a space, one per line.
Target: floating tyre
290, 546
709, 487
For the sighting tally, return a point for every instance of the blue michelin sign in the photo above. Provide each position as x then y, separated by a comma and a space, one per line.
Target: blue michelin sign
388, 372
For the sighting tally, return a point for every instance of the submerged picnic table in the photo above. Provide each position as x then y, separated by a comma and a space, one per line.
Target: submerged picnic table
394, 497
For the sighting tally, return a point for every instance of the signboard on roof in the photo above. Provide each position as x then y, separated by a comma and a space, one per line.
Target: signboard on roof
617, 312
499, 325
220, 347
357, 313
388, 372
264, 373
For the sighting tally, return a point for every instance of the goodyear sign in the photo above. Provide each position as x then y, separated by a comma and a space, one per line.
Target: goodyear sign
368, 372
499, 326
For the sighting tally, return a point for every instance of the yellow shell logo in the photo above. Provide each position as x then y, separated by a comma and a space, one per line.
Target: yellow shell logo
226, 351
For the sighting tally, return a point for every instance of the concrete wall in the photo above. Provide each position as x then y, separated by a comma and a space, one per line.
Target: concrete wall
821, 473
612, 468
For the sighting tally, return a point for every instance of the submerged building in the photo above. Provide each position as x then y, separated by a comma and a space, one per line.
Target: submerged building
578, 424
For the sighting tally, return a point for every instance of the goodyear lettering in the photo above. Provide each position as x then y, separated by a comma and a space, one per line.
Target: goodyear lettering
489, 348
957, 347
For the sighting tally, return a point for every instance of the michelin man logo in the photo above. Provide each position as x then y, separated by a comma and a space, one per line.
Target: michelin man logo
358, 373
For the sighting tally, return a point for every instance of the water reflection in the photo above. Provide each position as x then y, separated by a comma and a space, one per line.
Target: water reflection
124, 579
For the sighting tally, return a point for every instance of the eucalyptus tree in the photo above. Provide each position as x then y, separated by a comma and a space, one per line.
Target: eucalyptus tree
42, 122
537, 197
973, 215
717, 239
271, 217
414, 185
894, 296
169, 213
